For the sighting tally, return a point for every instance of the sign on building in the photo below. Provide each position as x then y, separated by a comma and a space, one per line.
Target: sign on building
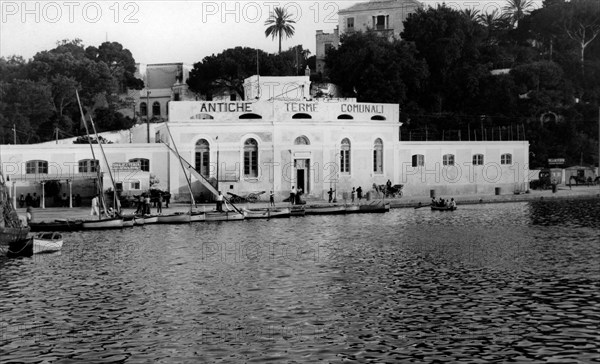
126, 166
556, 161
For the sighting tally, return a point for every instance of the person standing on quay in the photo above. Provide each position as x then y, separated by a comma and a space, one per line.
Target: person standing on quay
330, 193
293, 195
272, 199
220, 202
21, 201
159, 204
353, 194
95, 206
359, 193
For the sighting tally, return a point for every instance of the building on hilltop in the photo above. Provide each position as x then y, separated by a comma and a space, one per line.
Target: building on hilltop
386, 17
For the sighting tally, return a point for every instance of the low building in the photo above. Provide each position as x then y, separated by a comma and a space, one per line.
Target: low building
275, 144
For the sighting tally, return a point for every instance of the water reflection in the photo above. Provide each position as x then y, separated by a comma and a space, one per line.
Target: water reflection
491, 282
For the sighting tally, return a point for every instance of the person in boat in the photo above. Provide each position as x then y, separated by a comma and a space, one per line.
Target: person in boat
95, 206
271, 198
433, 202
452, 203
220, 202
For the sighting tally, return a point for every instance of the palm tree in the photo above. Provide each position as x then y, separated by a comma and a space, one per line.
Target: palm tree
471, 14
279, 22
517, 9
492, 22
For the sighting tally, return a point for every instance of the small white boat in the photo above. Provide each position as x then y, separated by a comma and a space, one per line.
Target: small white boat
128, 221
138, 220
266, 213
103, 224
197, 216
176, 218
325, 209
223, 216
352, 209
47, 243
150, 219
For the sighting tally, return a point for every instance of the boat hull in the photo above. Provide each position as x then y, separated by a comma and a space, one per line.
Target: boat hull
223, 216
150, 219
267, 214
10, 235
103, 224
47, 243
374, 208
446, 208
325, 210
197, 217
297, 211
174, 219
58, 225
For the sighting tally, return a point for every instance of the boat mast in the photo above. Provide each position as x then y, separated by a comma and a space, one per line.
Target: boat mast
87, 131
189, 183
117, 207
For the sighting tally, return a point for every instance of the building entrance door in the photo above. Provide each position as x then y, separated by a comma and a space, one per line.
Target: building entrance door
302, 175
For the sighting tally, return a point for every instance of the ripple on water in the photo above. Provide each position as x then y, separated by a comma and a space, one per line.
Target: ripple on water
485, 283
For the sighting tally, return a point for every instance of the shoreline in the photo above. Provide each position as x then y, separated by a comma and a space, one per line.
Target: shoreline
579, 192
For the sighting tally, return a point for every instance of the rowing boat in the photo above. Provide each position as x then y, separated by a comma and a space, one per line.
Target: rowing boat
111, 223
176, 218
56, 225
325, 210
47, 242
443, 208
223, 216
267, 213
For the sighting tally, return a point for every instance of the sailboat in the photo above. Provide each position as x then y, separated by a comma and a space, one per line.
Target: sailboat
228, 215
109, 222
11, 229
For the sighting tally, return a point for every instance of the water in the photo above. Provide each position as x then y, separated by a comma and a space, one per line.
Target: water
507, 282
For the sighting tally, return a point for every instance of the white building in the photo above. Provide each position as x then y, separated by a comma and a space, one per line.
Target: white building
274, 144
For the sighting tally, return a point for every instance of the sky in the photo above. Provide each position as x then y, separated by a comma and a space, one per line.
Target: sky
168, 31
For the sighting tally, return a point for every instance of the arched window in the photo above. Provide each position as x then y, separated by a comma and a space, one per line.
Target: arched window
378, 117
36, 167
378, 156
203, 157
250, 116
302, 140
156, 108
448, 159
301, 116
418, 160
345, 156
250, 158
144, 163
345, 117
202, 117
477, 159
143, 109
506, 158
88, 165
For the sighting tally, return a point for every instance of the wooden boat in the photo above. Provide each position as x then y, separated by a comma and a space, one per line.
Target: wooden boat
47, 242
138, 220
351, 209
150, 219
110, 223
325, 209
13, 234
56, 225
297, 211
443, 208
223, 216
197, 216
269, 213
20, 248
128, 221
377, 207
176, 218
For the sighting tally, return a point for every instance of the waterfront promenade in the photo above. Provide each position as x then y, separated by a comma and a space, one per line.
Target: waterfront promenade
564, 192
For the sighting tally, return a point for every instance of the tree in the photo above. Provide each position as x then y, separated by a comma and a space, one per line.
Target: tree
279, 23
582, 24
517, 9
373, 69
